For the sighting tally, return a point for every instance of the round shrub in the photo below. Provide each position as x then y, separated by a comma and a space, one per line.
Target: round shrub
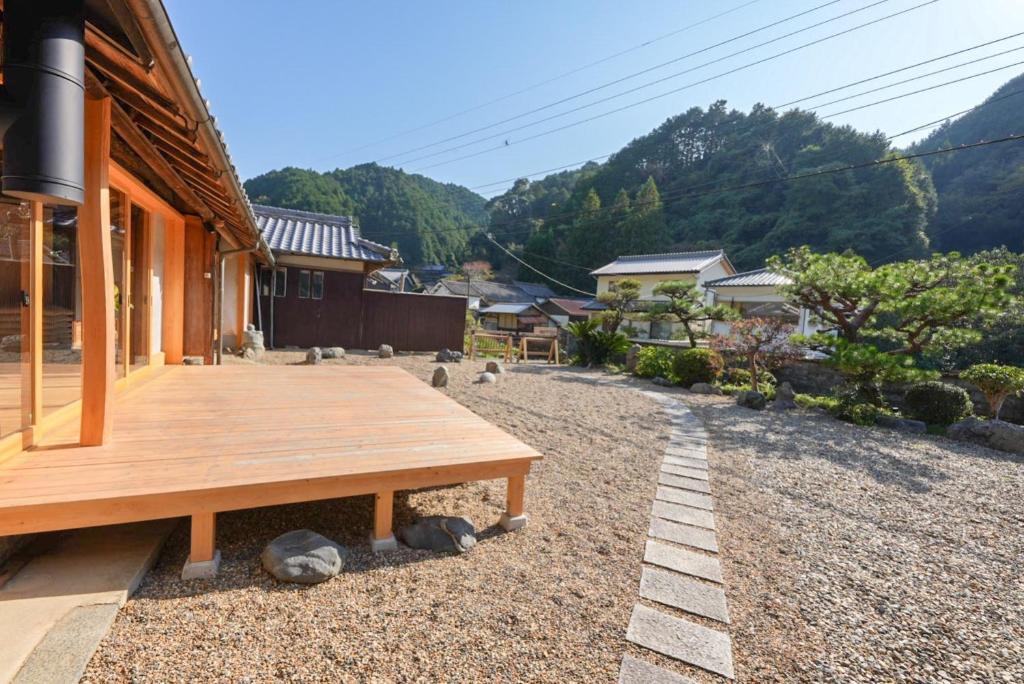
697, 365
654, 362
937, 403
736, 376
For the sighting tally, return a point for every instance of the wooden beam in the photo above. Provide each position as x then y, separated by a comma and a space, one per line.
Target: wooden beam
203, 543
97, 279
383, 507
516, 494
174, 292
242, 288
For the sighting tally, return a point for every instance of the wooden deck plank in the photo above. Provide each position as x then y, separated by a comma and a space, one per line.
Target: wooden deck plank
201, 438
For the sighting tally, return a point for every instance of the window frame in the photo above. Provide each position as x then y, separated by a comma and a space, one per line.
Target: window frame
317, 276
304, 275
282, 278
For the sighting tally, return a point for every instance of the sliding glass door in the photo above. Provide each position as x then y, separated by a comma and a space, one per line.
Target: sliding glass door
15, 378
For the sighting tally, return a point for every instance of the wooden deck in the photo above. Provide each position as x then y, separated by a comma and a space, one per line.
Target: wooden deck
194, 441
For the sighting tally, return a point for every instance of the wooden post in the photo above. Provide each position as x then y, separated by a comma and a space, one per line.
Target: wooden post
174, 292
36, 310
472, 346
97, 279
513, 518
204, 537
508, 349
382, 538
556, 351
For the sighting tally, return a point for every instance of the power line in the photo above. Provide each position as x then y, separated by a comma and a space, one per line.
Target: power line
552, 79
676, 90
538, 271
620, 94
930, 124
827, 92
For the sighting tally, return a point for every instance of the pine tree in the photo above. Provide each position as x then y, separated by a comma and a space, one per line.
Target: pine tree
647, 230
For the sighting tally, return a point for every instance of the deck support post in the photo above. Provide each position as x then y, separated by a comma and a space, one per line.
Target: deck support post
382, 538
204, 558
513, 518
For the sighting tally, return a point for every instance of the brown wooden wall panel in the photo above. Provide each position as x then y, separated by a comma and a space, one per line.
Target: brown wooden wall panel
413, 322
199, 274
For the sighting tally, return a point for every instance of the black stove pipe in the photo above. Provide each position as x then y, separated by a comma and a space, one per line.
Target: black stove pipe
42, 100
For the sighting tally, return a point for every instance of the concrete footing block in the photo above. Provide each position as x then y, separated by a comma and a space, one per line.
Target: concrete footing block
201, 569
511, 523
388, 543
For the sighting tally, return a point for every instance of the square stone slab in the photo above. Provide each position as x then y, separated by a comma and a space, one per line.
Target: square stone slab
688, 461
686, 451
696, 537
636, 671
685, 593
683, 560
695, 473
681, 496
684, 514
684, 483
681, 639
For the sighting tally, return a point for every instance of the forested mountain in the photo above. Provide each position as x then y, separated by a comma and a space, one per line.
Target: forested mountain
981, 191
669, 190
430, 222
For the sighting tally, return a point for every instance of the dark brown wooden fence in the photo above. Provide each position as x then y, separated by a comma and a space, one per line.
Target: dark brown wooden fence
413, 322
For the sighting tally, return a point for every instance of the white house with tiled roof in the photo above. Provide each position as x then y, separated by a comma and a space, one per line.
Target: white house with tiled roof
757, 294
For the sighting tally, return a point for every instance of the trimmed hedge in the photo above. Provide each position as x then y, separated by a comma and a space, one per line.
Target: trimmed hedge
697, 365
937, 403
653, 362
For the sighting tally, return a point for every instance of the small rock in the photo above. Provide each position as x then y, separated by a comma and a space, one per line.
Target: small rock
440, 377
385, 351
495, 367
303, 556
314, 356
448, 356
439, 533
488, 378
333, 353
705, 388
785, 398
995, 434
661, 382
631, 358
193, 361
751, 400
904, 424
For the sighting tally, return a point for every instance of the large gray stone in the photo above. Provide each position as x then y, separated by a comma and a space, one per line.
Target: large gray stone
662, 382
705, 388
696, 537
904, 424
314, 356
385, 351
631, 358
751, 400
636, 671
683, 560
303, 556
685, 593
495, 368
440, 377
698, 517
681, 639
439, 533
785, 398
446, 355
994, 434
487, 378
333, 352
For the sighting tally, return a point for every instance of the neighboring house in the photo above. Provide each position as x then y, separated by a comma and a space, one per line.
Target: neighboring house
392, 280
430, 274
565, 310
756, 294
516, 317
484, 293
652, 269
316, 294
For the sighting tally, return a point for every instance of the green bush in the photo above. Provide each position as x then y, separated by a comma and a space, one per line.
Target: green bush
652, 362
858, 414
697, 365
741, 376
937, 403
597, 347
996, 382
809, 401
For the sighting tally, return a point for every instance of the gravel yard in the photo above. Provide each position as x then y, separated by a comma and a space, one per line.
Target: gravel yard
863, 555
549, 603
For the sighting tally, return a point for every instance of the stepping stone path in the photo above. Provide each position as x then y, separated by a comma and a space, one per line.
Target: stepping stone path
681, 568
681, 572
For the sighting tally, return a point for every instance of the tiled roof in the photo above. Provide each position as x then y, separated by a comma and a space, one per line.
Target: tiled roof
516, 308
488, 290
323, 235
573, 307
536, 290
675, 262
760, 277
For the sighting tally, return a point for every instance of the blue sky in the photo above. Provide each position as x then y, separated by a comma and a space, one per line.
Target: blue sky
307, 83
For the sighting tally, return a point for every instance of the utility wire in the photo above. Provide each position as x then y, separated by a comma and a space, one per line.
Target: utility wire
931, 124
545, 82
536, 270
662, 65
676, 90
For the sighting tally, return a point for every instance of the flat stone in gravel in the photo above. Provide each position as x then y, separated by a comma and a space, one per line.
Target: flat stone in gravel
303, 556
684, 593
439, 533
683, 534
695, 473
681, 639
688, 461
683, 560
681, 496
687, 452
684, 483
684, 514
636, 671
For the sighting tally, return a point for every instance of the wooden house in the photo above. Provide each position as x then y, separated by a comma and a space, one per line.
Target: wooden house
135, 244
516, 317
